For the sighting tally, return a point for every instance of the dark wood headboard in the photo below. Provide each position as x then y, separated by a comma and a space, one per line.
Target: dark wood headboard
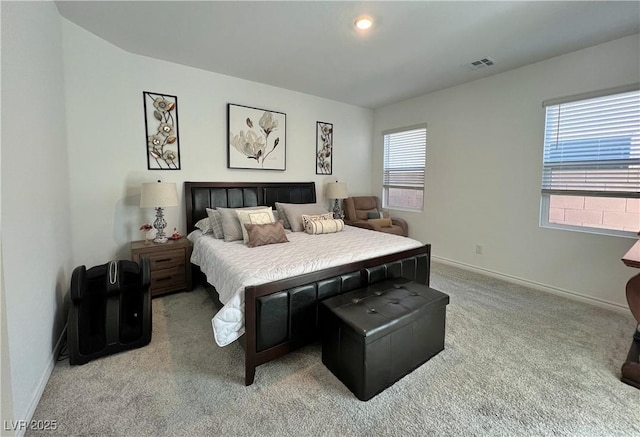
201, 195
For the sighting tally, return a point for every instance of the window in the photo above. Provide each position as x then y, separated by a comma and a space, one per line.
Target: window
591, 163
404, 167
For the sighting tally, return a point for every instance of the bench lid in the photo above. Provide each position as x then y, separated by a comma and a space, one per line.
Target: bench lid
385, 306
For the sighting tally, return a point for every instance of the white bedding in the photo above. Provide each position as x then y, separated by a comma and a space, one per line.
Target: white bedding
231, 266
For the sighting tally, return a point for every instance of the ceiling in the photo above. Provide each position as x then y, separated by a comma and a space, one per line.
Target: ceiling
413, 48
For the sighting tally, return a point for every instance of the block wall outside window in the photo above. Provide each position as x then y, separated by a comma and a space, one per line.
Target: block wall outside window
405, 198
595, 212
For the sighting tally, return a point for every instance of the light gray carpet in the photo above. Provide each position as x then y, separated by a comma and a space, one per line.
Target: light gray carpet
516, 362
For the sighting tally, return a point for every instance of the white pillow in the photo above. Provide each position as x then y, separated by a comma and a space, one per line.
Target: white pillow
254, 217
230, 223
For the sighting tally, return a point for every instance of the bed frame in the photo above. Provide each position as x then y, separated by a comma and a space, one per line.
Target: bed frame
282, 316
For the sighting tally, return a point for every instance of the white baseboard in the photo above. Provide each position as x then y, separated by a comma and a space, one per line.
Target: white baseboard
537, 285
42, 383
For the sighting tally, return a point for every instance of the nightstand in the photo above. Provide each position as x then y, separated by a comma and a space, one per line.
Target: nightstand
170, 264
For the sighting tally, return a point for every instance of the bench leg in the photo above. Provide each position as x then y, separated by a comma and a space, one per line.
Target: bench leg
249, 373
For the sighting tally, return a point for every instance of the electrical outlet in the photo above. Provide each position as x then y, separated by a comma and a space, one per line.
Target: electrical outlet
478, 249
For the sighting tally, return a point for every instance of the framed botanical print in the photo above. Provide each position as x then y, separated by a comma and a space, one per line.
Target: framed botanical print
324, 147
161, 125
256, 138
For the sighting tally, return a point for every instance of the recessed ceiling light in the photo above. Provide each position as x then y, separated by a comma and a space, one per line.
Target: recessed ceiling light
363, 23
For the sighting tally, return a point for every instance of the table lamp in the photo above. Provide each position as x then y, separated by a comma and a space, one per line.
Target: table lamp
158, 195
337, 191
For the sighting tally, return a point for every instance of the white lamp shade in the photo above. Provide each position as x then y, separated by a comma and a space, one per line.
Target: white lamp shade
337, 190
158, 194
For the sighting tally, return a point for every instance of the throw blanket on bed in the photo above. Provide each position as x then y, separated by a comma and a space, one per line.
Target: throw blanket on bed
232, 266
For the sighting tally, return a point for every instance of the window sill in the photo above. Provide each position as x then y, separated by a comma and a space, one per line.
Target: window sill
397, 208
587, 230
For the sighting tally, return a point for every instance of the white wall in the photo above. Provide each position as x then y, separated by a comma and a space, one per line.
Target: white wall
6, 393
36, 233
107, 141
484, 159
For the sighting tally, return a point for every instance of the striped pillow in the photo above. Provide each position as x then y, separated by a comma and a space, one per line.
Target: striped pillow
308, 218
324, 226
216, 223
283, 216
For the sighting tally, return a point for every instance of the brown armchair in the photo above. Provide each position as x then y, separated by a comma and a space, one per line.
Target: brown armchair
357, 209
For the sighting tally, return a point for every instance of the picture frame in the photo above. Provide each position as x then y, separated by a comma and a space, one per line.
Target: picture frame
161, 129
256, 138
324, 148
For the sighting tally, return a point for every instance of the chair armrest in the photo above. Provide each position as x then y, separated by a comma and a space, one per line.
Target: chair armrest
402, 223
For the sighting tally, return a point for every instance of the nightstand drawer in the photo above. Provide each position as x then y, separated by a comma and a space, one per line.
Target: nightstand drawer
169, 262
173, 278
166, 259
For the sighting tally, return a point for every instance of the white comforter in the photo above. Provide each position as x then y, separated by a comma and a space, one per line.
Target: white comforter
231, 266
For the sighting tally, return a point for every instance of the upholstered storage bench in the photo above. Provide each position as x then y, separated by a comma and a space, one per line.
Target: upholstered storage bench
373, 336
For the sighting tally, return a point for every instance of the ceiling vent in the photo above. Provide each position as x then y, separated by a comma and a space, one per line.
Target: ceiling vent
480, 63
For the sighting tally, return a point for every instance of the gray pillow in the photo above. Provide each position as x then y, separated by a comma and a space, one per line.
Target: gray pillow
280, 210
215, 222
230, 222
294, 211
204, 225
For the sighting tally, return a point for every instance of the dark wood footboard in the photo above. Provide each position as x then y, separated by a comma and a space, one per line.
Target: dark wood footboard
281, 316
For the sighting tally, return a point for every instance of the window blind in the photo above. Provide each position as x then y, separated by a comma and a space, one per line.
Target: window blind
404, 158
592, 147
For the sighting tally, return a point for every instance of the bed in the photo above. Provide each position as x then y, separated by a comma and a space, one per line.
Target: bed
276, 312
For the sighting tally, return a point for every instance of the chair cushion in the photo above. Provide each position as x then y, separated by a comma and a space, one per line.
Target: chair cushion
381, 222
367, 203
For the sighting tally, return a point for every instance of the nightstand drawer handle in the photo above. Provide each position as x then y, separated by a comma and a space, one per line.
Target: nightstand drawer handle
164, 279
163, 260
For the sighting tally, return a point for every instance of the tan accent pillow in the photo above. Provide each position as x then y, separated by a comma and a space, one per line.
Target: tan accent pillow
255, 217
270, 233
381, 223
324, 226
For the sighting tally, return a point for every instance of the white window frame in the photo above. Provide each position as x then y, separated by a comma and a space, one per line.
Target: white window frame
572, 153
407, 182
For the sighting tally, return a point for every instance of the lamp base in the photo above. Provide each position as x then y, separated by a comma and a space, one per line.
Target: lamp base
160, 224
337, 210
